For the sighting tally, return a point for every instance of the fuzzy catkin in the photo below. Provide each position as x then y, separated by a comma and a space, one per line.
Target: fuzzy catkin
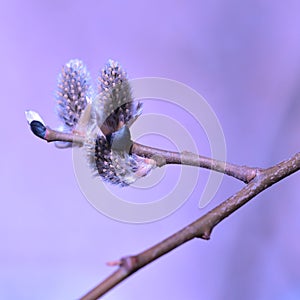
73, 88
114, 104
114, 108
104, 120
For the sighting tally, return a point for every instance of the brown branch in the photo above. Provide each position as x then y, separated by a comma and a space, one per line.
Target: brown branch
163, 157
58, 136
257, 180
201, 228
244, 173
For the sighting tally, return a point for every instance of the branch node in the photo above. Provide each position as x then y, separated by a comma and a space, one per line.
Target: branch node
205, 235
129, 263
114, 263
252, 174
159, 160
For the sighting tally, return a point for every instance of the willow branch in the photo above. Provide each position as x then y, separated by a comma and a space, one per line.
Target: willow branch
162, 157
201, 228
244, 173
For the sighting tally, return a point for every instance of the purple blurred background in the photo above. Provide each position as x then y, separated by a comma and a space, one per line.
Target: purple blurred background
242, 56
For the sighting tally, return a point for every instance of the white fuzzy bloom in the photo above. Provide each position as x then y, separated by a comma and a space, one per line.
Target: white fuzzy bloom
103, 119
73, 90
116, 167
114, 105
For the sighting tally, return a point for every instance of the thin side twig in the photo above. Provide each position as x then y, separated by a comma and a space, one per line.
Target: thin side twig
201, 228
243, 173
163, 157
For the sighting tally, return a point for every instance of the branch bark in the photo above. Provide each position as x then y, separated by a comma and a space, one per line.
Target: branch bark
243, 173
201, 228
163, 157
256, 179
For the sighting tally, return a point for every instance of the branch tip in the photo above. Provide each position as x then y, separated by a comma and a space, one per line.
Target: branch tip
114, 263
33, 116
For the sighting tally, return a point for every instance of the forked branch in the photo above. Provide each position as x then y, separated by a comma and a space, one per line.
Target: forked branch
111, 154
201, 228
256, 179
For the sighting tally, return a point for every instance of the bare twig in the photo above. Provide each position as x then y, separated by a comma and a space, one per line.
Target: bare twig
163, 157
256, 179
243, 173
201, 228
58, 136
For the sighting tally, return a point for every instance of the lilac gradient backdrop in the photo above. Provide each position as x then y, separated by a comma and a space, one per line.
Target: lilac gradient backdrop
242, 56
